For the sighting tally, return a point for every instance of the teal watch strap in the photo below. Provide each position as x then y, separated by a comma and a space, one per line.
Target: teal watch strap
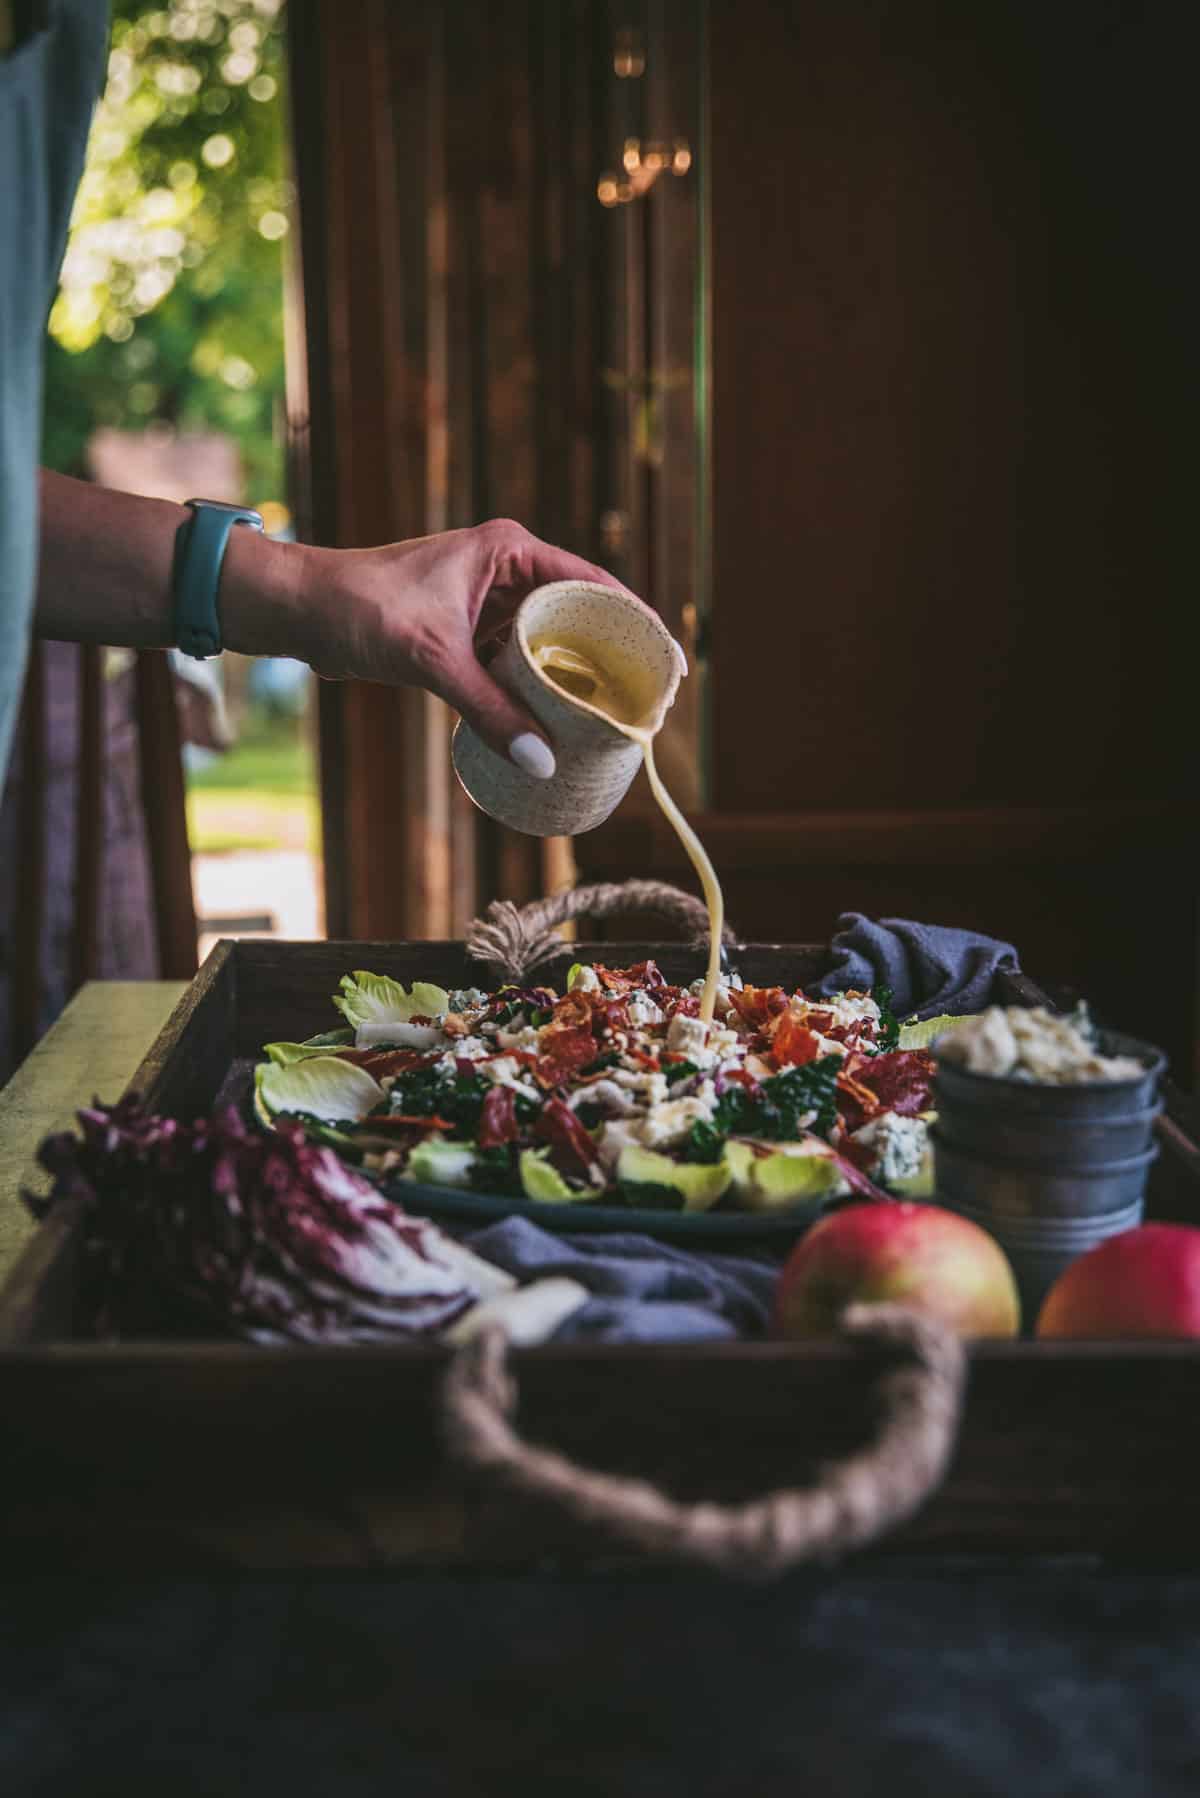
199, 551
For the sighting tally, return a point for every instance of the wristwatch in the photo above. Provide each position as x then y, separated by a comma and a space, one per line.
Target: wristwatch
196, 573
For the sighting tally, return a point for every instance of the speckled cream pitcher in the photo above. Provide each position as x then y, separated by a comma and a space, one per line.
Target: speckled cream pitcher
596, 762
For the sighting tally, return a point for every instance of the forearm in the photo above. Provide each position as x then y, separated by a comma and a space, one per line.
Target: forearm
105, 573
406, 613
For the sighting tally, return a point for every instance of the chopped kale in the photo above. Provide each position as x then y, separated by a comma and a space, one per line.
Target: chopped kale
705, 1143
497, 1171
775, 1108
887, 1034
651, 1195
458, 1098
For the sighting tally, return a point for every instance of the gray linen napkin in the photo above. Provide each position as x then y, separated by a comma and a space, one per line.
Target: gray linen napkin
642, 1290
931, 968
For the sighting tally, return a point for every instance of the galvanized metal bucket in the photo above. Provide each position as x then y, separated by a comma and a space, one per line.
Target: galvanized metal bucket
1048, 1170
1091, 1101
1004, 1186
1040, 1249
1045, 1139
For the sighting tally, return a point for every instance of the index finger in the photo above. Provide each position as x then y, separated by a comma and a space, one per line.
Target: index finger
526, 562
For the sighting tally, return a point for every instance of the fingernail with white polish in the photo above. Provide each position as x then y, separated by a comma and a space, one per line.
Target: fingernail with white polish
532, 755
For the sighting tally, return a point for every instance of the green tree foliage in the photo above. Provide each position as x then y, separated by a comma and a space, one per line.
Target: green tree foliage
170, 305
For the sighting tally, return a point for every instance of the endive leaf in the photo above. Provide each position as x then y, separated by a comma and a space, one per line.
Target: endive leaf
321, 1086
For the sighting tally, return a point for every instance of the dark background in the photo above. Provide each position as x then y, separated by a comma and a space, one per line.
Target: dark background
1052, 1682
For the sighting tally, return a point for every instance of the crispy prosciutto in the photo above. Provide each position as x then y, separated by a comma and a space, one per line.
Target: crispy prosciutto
792, 1042
820, 1020
498, 1119
757, 1005
901, 1081
571, 1148
563, 1052
642, 976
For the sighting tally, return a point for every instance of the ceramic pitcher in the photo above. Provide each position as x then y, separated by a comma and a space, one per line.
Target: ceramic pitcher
596, 763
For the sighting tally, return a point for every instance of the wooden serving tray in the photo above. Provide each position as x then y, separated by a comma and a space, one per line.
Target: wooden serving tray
187, 1455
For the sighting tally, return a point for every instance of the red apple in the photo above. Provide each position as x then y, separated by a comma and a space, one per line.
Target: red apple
1144, 1282
908, 1254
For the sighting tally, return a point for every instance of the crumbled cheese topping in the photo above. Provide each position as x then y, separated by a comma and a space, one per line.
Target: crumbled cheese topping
898, 1143
670, 1123
468, 998
505, 1070
1032, 1044
615, 1135
848, 1008
689, 1037
607, 1095
650, 1087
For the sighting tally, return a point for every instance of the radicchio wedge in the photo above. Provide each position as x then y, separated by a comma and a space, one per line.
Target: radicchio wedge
262, 1234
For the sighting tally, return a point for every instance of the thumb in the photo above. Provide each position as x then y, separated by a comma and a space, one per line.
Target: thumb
504, 725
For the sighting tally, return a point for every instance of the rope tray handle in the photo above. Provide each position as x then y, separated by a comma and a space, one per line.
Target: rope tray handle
854, 1501
517, 939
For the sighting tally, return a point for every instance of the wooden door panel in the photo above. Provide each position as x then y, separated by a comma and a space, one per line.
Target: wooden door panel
953, 380
943, 554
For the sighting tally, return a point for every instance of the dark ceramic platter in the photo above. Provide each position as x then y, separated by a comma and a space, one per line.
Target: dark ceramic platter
710, 1227
479, 1209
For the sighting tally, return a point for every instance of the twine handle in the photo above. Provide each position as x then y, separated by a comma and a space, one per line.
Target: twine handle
854, 1501
517, 939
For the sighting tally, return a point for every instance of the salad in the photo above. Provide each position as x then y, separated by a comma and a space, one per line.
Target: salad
616, 1091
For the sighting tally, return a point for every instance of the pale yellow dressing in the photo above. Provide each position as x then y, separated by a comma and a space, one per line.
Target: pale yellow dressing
625, 694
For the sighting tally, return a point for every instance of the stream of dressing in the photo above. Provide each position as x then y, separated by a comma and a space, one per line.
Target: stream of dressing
621, 694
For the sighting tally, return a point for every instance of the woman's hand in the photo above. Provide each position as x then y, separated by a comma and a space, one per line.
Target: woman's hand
417, 614
411, 613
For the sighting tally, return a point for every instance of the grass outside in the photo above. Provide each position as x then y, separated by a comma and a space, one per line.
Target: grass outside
258, 796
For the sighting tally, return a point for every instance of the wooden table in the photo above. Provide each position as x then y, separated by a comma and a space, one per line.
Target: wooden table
92, 1049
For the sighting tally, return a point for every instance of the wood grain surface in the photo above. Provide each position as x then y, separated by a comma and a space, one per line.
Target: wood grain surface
154, 1455
94, 1047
